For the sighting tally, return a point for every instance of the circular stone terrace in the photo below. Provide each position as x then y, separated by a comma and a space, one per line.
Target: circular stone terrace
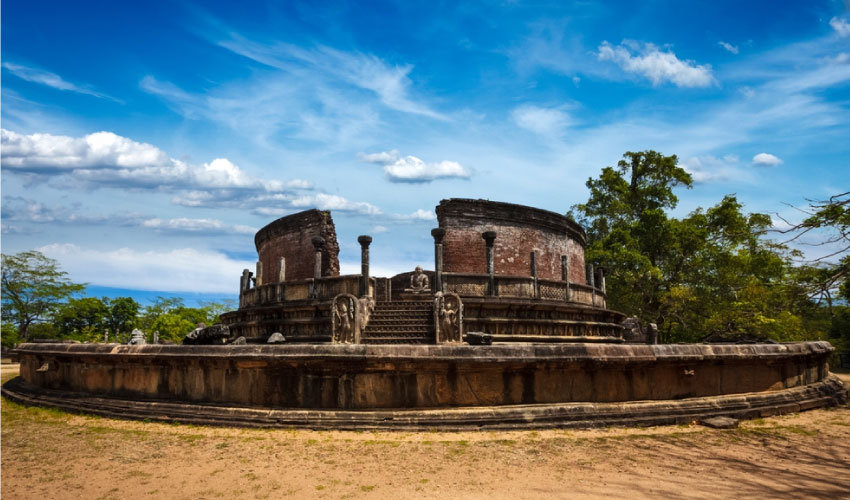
510, 330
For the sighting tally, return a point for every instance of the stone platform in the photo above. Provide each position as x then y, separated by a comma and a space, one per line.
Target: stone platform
428, 386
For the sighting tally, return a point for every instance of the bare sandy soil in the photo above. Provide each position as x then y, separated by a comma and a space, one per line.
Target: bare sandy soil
53, 455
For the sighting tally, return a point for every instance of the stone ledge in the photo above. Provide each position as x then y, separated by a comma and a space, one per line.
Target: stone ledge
532, 352
829, 392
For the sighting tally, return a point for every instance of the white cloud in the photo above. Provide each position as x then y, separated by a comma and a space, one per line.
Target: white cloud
549, 122
418, 215
178, 270
378, 229
766, 160
52, 80
412, 169
390, 83
324, 201
729, 47
657, 66
382, 158
104, 159
841, 26
184, 224
710, 168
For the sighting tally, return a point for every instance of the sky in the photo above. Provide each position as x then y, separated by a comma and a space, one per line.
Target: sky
144, 143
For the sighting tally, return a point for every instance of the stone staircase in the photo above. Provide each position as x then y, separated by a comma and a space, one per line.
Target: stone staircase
400, 322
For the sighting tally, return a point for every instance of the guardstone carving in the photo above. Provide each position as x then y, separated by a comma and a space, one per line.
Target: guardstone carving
345, 327
448, 318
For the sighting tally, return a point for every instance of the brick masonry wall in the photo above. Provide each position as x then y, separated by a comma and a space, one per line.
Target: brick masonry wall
519, 231
291, 237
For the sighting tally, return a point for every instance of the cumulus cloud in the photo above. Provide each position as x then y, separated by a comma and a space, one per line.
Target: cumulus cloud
413, 170
549, 122
104, 159
656, 65
841, 26
729, 47
324, 201
52, 80
766, 160
178, 270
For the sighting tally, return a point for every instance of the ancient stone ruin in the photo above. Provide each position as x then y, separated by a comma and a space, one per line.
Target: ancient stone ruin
512, 272
510, 329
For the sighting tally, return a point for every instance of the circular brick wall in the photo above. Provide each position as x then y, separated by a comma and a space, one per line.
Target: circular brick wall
291, 237
520, 230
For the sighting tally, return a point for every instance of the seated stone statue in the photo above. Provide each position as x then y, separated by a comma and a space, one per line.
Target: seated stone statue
419, 282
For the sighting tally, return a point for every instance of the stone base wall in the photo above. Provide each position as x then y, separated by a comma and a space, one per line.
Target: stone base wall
390, 376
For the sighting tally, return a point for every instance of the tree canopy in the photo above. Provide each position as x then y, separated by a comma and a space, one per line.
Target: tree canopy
33, 286
710, 274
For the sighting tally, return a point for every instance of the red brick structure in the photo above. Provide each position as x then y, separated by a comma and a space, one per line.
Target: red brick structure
519, 230
291, 238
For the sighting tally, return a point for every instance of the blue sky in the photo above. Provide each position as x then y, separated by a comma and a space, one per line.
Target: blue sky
143, 145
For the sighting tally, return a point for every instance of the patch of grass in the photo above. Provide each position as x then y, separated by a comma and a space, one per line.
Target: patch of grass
191, 438
367, 487
320, 487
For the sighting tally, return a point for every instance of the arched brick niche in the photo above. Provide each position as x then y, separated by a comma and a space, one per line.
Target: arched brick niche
291, 238
520, 230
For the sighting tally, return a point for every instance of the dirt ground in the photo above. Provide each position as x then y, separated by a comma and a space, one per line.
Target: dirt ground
48, 454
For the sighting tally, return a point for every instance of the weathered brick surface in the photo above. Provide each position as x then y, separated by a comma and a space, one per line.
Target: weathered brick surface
520, 231
291, 237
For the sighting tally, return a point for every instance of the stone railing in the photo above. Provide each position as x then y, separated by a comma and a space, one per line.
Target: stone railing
522, 287
287, 291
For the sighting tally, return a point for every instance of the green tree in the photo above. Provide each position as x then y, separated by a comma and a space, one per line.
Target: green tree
173, 320
710, 273
122, 315
32, 288
82, 319
628, 231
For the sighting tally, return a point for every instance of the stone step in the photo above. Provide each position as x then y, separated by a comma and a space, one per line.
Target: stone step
399, 319
389, 332
397, 340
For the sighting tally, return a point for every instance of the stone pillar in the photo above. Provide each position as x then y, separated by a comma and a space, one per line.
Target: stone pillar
489, 240
364, 241
533, 261
281, 274
438, 234
591, 282
565, 275
245, 281
259, 273
318, 244
600, 278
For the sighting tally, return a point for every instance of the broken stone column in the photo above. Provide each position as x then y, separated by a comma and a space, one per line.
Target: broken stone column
489, 240
565, 275
364, 241
259, 273
281, 274
438, 233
